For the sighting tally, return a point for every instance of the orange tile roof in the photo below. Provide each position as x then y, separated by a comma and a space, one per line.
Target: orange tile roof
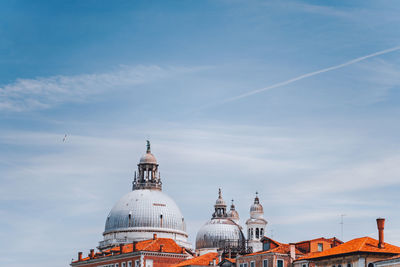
203, 260
168, 246
231, 260
281, 249
332, 239
362, 244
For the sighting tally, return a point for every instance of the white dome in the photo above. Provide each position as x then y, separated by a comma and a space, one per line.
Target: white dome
219, 232
141, 213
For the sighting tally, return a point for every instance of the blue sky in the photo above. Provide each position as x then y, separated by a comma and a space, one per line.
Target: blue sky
111, 74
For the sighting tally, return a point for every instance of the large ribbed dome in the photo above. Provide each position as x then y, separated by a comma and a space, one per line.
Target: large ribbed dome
145, 211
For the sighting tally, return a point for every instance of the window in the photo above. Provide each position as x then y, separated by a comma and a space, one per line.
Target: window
304, 265
370, 264
265, 263
117, 265
266, 246
149, 263
252, 264
349, 265
137, 263
257, 233
123, 264
279, 263
241, 265
320, 247
245, 264
339, 265
129, 263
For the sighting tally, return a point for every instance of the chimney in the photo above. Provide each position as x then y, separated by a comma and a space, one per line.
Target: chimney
91, 255
161, 247
79, 256
134, 246
292, 248
381, 226
154, 236
121, 246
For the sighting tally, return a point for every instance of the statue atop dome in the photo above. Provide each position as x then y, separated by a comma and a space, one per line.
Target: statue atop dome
148, 146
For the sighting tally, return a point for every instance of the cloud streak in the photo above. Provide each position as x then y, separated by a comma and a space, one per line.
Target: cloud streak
46, 92
307, 75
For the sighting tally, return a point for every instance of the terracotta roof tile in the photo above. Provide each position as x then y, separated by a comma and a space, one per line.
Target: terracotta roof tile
203, 260
168, 246
362, 244
281, 249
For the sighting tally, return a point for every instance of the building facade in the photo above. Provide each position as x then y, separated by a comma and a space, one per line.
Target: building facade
157, 252
358, 252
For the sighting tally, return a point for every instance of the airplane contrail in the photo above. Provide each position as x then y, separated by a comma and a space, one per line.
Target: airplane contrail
312, 74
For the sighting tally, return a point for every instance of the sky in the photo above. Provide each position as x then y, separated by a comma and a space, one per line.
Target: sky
297, 100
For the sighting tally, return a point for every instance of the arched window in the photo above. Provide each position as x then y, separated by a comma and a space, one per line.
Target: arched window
261, 232
370, 264
257, 233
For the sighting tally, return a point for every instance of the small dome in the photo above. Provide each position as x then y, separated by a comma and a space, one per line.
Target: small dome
219, 232
257, 208
148, 158
220, 201
233, 214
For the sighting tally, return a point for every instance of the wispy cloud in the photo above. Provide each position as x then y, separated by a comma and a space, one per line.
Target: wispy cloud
46, 92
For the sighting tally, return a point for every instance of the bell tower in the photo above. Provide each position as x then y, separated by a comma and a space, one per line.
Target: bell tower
256, 225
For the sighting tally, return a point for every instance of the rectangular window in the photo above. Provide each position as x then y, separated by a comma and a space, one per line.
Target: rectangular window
320, 247
241, 265
149, 263
137, 263
304, 265
123, 264
245, 264
266, 246
265, 263
129, 263
252, 264
279, 263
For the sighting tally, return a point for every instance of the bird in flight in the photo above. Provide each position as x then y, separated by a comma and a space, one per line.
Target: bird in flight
65, 137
